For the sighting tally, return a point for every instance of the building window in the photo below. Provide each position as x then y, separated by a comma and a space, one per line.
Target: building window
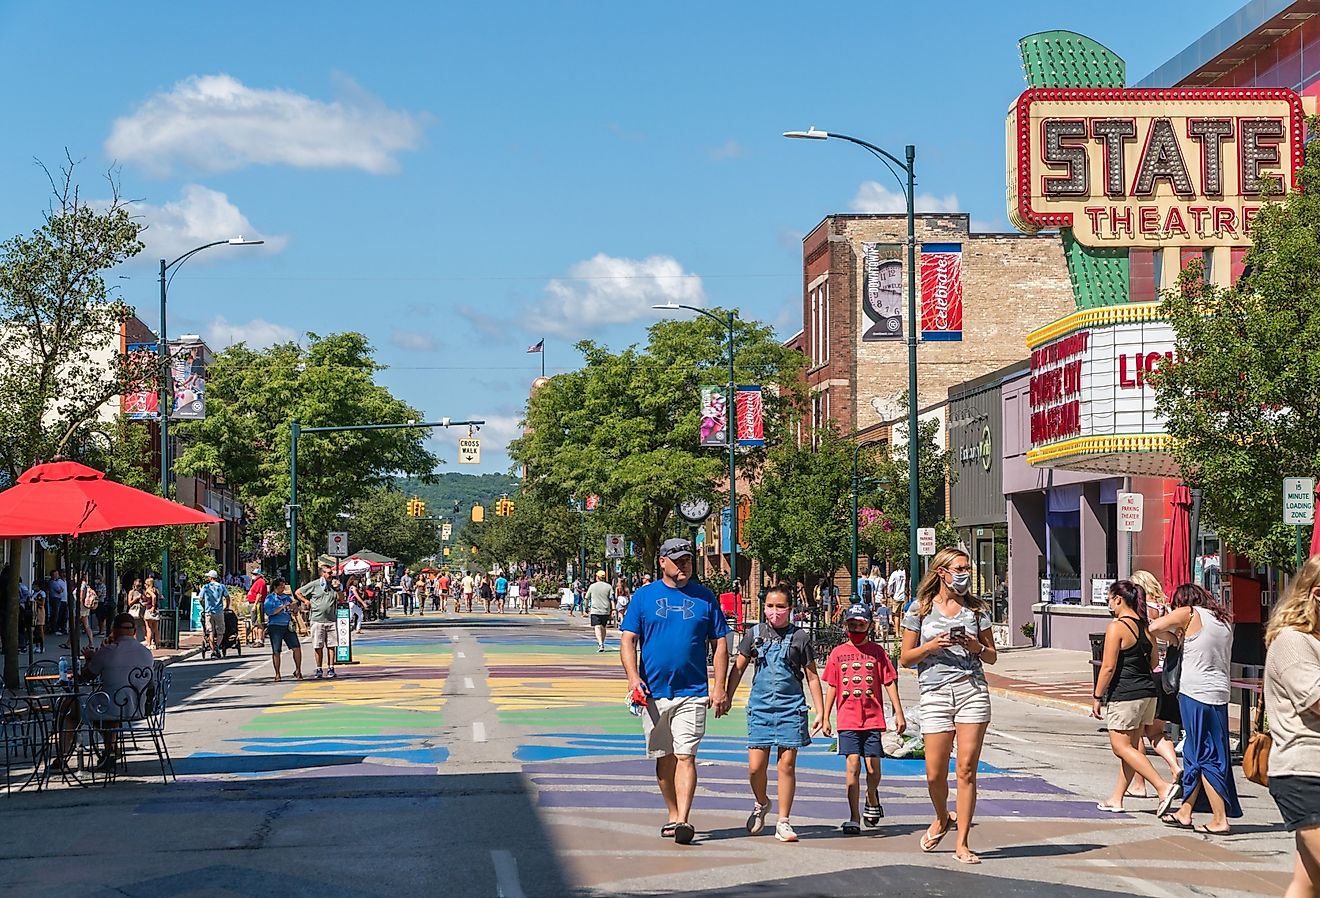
825, 304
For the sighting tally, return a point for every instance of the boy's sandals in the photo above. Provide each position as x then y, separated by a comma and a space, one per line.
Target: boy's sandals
930, 841
872, 813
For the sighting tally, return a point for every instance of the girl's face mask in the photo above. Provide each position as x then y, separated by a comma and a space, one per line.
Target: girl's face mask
777, 617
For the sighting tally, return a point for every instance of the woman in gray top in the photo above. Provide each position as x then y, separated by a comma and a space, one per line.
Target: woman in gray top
1292, 705
947, 637
1205, 628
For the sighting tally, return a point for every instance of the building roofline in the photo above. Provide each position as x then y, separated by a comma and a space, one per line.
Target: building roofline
1241, 28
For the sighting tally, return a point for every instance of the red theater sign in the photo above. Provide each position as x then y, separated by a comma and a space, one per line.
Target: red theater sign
1151, 167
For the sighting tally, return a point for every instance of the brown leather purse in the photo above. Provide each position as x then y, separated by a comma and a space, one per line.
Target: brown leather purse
1256, 756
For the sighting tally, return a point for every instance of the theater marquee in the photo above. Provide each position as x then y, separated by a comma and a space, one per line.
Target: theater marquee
1151, 167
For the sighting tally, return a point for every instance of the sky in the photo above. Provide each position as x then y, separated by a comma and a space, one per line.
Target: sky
460, 180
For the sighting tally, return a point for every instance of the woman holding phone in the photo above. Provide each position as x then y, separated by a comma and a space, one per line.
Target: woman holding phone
947, 638
279, 627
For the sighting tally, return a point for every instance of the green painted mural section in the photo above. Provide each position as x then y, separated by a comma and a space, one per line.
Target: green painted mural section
1066, 59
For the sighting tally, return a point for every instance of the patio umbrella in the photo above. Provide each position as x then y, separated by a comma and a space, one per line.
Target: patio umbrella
65, 498
1178, 541
357, 566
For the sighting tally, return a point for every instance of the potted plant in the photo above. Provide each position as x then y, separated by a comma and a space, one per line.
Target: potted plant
1029, 630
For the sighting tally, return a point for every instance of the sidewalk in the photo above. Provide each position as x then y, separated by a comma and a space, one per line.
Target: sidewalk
1055, 678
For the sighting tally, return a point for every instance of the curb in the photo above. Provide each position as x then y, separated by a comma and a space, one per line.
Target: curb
182, 656
1043, 701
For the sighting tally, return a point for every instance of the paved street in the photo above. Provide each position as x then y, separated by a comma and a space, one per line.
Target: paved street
492, 756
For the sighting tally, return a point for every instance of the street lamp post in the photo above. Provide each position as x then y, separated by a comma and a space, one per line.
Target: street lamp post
165, 401
730, 412
909, 191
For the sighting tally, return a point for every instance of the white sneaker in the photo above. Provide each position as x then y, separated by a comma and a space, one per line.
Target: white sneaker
784, 832
756, 819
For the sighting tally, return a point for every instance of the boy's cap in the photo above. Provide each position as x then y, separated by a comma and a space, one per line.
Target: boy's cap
858, 611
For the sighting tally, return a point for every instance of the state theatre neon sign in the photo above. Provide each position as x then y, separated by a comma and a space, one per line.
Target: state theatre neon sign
1151, 167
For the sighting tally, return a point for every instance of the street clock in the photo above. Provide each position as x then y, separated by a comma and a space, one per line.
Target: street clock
694, 511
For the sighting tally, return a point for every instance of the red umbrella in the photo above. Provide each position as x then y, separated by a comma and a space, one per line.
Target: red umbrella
1178, 541
65, 498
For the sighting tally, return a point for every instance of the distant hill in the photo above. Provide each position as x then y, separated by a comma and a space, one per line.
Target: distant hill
466, 488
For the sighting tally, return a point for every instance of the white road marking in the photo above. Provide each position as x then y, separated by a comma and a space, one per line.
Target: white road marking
507, 884
478, 731
200, 697
459, 655
1007, 736
467, 684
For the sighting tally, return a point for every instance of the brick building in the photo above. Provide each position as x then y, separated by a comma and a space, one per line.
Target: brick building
1011, 284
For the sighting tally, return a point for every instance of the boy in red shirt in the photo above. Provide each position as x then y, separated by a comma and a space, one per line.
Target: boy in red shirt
855, 673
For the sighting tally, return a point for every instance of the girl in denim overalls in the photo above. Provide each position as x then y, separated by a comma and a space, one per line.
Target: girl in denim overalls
777, 708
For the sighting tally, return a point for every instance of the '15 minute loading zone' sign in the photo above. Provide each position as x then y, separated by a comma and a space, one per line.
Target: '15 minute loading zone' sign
1151, 167
1299, 501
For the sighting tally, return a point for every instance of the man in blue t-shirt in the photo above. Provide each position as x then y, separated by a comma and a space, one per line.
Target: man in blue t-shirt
664, 637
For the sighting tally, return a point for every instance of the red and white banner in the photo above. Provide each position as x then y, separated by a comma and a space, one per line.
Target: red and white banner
750, 420
941, 291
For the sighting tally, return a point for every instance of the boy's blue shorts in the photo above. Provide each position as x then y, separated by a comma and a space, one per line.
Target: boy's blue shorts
860, 742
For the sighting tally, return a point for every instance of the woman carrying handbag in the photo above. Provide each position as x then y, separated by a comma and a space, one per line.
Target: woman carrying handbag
1292, 704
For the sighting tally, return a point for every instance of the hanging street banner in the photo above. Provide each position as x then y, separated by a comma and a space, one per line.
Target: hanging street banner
188, 374
141, 405
714, 416
941, 291
882, 292
751, 420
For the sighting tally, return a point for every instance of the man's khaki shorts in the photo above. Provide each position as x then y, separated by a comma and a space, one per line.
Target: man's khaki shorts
213, 623
674, 726
325, 636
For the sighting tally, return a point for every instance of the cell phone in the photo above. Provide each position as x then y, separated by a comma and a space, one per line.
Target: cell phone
959, 633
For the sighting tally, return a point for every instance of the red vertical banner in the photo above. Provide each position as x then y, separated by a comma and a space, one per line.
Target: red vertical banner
750, 420
941, 291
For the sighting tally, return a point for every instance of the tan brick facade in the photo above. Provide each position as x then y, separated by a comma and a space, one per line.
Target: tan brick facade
1012, 284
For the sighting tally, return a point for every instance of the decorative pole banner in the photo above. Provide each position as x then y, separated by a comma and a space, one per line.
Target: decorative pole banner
188, 371
140, 404
751, 424
882, 291
941, 291
714, 416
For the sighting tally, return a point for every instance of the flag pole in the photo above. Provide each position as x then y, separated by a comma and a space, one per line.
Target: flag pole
543, 359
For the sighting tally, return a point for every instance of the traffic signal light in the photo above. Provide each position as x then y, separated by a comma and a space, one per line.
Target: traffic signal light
412, 508
457, 506
421, 508
416, 508
504, 507
478, 514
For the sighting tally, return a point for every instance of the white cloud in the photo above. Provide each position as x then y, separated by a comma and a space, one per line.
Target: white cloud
216, 123
605, 290
198, 216
730, 149
872, 196
413, 341
257, 333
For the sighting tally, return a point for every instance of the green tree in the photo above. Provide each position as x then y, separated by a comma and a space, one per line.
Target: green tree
252, 398
799, 521
1242, 402
626, 425
59, 319
543, 533
379, 521
887, 536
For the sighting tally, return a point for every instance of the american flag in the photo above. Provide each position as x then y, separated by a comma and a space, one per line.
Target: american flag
538, 346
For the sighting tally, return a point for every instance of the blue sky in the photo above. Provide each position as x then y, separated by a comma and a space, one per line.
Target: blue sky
459, 180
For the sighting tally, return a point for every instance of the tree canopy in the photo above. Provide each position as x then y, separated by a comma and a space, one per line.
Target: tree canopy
253, 396
1242, 400
626, 425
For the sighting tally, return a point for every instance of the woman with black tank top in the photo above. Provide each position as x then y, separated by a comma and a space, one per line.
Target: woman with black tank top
1126, 687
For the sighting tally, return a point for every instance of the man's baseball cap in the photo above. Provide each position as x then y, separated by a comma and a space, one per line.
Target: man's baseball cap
858, 611
675, 548
212, 575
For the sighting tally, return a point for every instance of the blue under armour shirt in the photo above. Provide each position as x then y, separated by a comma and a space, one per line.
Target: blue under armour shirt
673, 627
